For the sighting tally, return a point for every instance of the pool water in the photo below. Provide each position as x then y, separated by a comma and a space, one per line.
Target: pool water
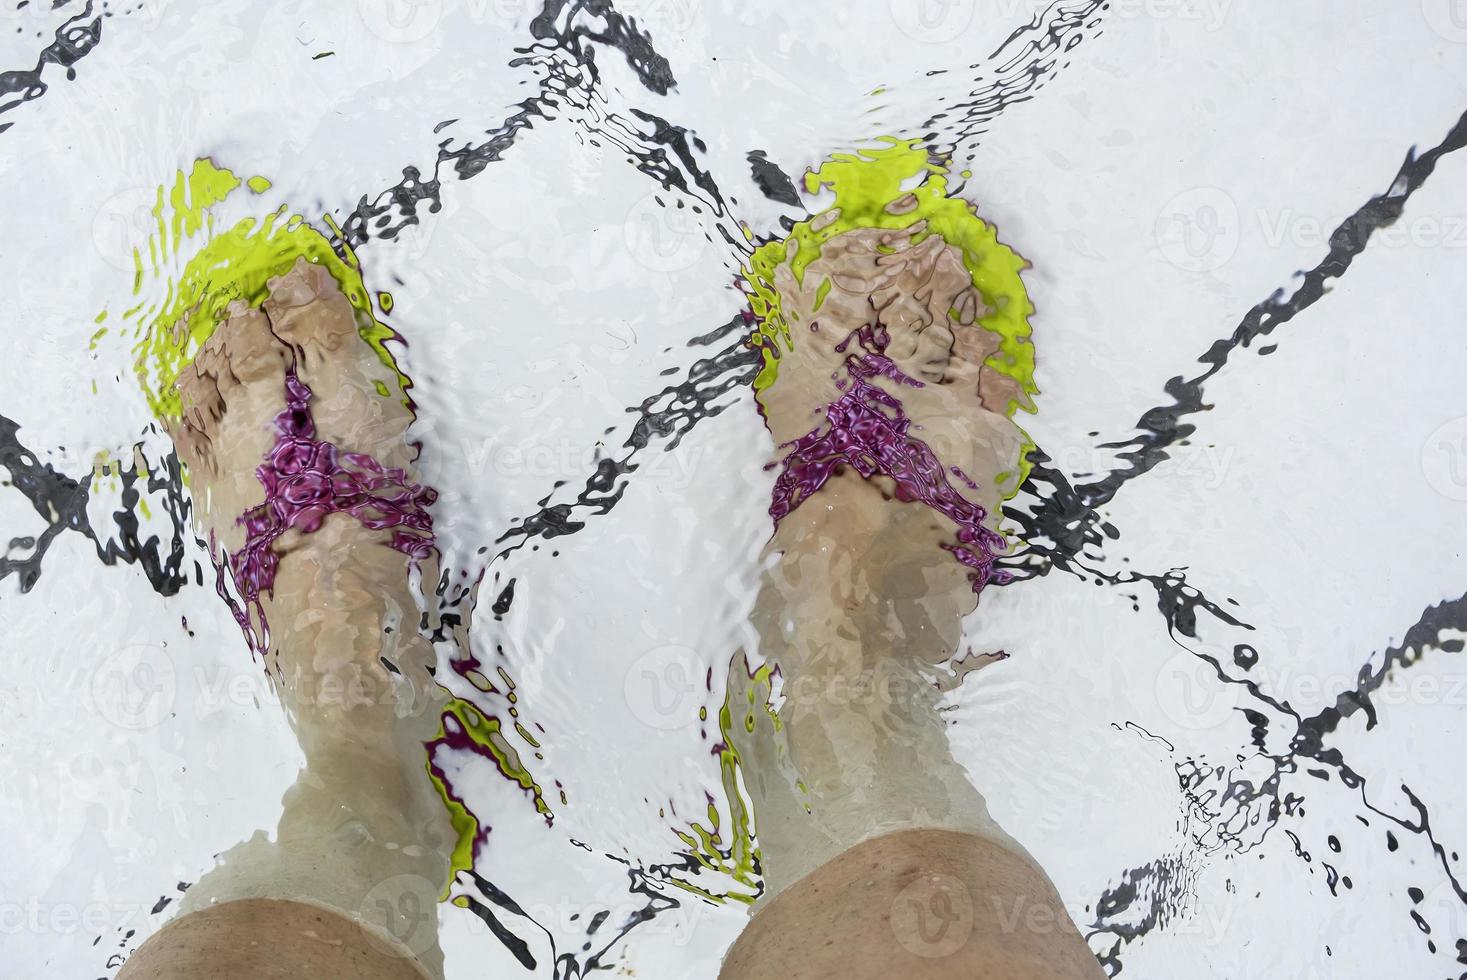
1232, 617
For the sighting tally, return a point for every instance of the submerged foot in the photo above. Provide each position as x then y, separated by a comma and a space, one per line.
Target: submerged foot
293, 432
896, 446
236, 392
288, 417
888, 387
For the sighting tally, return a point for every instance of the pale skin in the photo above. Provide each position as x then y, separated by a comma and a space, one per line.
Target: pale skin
350, 882
879, 855
882, 862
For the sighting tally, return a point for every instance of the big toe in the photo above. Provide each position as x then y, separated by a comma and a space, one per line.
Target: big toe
308, 311
249, 350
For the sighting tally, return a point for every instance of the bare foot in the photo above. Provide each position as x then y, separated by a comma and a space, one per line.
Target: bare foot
893, 433
293, 430
887, 374
235, 390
